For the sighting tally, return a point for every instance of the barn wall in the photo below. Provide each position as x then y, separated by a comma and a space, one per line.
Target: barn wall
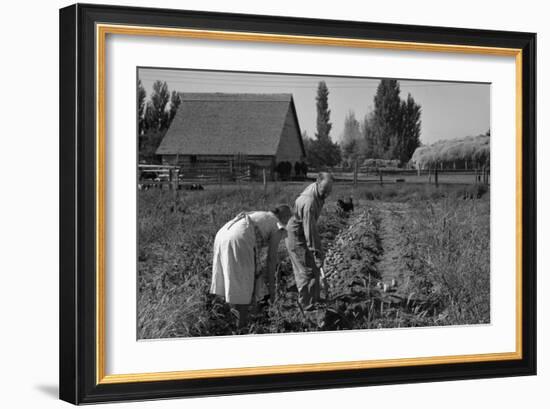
169, 159
220, 161
289, 146
201, 159
260, 160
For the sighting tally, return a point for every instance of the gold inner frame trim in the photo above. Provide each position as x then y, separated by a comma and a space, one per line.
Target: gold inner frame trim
101, 33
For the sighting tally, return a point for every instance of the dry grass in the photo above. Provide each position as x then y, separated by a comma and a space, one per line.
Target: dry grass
176, 234
447, 253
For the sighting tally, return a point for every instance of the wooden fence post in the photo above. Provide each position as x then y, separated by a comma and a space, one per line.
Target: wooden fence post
381, 177
170, 178
264, 179
436, 177
355, 170
175, 187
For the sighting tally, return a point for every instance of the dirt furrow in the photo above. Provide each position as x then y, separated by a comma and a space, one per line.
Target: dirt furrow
367, 272
390, 265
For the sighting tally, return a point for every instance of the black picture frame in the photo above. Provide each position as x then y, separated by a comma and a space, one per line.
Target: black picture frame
78, 359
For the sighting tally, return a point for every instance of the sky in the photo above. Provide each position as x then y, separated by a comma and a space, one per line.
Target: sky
450, 110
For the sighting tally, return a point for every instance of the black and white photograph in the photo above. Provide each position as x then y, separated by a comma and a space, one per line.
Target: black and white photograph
276, 203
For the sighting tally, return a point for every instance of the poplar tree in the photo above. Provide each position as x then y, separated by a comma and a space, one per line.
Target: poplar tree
392, 130
323, 113
141, 95
351, 137
323, 152
156, 108
175, 102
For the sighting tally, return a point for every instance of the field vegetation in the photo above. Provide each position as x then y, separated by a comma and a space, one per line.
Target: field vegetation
409, 255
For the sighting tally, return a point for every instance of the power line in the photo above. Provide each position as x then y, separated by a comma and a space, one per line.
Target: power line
284, 79
282, 84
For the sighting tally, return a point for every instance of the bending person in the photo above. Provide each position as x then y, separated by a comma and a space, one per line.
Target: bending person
236, 274
303, 241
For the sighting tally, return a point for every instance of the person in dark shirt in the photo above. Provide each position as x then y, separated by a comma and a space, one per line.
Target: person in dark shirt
304, 242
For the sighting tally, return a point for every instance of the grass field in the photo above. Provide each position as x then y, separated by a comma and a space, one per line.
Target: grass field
410, 255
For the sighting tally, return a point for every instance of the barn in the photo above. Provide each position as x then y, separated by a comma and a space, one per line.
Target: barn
222, 132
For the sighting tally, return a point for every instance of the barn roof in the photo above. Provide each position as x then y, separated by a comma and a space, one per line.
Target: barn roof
222, 124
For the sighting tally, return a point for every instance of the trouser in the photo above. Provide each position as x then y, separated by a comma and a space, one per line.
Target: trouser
306, 272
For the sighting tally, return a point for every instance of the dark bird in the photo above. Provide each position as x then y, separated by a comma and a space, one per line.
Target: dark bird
345, 206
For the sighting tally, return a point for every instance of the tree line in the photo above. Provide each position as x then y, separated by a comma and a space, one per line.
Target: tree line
390, 131
154, 117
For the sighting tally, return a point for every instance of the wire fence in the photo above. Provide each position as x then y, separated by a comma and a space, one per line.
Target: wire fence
183, 177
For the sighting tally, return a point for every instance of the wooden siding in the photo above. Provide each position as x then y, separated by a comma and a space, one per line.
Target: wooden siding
261, 161
289, 148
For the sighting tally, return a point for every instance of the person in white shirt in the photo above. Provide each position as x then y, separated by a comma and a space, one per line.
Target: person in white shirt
236, 274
